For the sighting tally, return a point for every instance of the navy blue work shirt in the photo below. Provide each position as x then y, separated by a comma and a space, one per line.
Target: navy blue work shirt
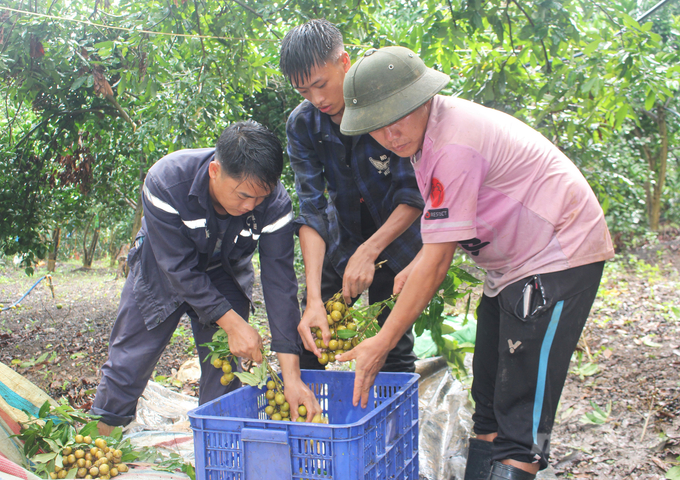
375, 175
179, 231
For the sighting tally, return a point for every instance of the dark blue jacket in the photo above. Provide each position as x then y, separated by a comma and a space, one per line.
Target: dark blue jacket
179, 236
376, 175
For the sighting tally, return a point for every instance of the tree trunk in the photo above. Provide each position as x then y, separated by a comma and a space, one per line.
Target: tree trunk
660, 164
114, 251
52, 258
88, 251
657, 162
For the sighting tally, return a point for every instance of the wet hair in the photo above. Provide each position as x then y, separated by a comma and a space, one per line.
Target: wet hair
248, 151
307, 46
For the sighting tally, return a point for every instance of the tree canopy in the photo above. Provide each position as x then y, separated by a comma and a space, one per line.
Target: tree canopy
96, 91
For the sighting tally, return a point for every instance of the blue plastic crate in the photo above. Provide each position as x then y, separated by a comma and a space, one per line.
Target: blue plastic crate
234, 440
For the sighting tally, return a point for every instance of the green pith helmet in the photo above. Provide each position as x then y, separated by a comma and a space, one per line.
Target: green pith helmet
384, 86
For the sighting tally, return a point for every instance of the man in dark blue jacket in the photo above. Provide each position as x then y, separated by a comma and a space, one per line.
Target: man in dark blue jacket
205, 211
358, 203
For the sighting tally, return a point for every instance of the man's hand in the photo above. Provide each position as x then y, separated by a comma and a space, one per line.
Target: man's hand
400, 279
315, 316
295, 390
359, 272
244, 341
370, 356
297, 393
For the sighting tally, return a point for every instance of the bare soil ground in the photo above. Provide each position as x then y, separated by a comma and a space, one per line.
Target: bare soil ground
627, 367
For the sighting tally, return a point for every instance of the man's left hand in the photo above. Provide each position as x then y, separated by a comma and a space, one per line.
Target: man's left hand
359, 272
370, 356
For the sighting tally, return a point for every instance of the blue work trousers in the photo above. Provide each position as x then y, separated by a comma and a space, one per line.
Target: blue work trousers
134, 352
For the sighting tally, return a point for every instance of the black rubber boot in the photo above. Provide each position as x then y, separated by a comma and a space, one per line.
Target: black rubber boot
500, 471
478, 463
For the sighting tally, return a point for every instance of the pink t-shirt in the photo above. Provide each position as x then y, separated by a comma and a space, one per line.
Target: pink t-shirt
507, 195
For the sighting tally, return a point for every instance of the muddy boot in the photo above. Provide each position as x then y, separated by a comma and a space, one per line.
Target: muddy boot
478, 463
500, 471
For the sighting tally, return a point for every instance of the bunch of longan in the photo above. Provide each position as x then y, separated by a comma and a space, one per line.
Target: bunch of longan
339, 318
224, 363
279, 409
90, 460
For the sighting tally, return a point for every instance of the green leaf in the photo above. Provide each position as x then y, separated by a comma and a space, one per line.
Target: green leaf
591, 47
347, 333
54, 446
650, 100
621, 115
44, 457
586, 87
630, 22
189, 470
673, 473
44, 410
89, 429
78, 82
43, 357
105, 44
446, 329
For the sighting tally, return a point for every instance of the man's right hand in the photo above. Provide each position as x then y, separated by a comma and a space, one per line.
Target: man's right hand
315, 316
244, 341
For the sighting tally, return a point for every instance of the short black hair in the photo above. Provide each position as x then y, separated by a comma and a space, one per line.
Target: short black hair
249, 151
307, 46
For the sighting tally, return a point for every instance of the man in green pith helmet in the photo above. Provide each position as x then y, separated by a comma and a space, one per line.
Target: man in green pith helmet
523, 211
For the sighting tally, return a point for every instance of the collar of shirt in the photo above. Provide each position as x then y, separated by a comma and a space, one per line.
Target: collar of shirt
200, 188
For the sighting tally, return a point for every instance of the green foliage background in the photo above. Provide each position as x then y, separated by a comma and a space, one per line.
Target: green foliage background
94, 92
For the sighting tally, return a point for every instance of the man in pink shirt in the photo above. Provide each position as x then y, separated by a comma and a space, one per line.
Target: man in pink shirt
522, 211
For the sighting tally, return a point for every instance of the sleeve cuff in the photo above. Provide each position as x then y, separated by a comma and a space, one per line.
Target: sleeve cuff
411, 198
318, 225
215, 314
286, 347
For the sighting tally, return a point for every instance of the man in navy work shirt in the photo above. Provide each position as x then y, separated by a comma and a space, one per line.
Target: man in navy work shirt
205, 211
373, 199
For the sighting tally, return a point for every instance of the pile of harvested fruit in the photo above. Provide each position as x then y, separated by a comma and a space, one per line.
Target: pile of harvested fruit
90, 459
57, 449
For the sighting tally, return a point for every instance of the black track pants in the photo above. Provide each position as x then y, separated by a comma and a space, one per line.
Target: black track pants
520, 364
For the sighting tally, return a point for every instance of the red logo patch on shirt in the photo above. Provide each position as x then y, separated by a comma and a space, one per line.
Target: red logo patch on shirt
436, 193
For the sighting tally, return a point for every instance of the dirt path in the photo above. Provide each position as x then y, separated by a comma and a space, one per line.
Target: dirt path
628, 365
